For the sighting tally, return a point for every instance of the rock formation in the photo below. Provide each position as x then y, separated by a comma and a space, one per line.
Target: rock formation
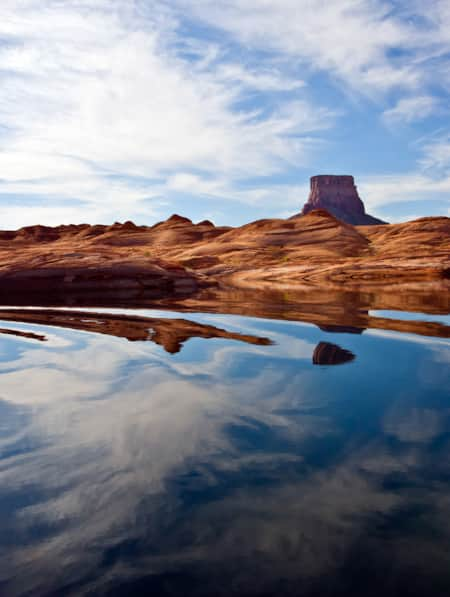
177, 258
339, 196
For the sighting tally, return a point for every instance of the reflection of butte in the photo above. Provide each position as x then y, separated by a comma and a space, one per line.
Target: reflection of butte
169, 333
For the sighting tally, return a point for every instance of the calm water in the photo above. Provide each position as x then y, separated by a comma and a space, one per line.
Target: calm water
318, 465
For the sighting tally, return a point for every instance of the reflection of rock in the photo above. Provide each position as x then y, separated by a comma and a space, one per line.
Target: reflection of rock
341, 329
21, 334
326, 353
169, 333
332, 309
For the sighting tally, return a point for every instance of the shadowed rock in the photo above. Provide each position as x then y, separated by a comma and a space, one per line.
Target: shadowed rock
341, 329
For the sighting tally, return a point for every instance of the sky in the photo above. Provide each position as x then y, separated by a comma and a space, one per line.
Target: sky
113, 110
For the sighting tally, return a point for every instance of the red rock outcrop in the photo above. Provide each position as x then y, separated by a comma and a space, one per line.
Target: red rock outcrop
178, 257
339, 196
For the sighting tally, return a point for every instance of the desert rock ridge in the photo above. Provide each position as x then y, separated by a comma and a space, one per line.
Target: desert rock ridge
179, 256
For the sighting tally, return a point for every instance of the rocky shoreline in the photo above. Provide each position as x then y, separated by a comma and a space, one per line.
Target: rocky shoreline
178, 257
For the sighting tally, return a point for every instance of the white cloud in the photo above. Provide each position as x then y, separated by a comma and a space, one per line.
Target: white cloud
350, 39
431, 180
94, 89
377, 191
266, 80
124, 107
410, 109
437, 156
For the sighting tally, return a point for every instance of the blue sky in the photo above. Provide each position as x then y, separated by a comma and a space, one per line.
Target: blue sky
221, 109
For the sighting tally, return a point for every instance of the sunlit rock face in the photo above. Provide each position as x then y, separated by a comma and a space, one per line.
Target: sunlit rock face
339, 196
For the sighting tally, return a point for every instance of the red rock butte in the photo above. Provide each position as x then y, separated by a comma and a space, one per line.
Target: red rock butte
339, 196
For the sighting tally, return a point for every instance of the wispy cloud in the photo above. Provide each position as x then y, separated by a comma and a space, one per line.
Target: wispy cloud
410, 109
116, 109
368, 45
436, 157
95, 89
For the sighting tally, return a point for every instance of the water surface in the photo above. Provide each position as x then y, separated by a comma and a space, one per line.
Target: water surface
228, 455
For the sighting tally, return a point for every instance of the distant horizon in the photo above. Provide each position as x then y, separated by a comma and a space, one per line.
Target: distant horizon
196, 221
221, 110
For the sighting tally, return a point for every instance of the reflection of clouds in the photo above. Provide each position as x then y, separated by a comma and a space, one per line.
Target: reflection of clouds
405, 337
382, 462
53, 340
301, 531
442, 355
414, 425
434, 370
126, 439
284, 347
146, 417
34, 385
311, 522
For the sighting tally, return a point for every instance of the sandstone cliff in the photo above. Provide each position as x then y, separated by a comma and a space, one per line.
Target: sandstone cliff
179, 257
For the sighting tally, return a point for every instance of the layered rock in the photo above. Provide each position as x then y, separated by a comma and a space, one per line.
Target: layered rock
339, 196
178, 257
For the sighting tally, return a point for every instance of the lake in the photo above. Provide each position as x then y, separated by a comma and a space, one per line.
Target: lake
149, 452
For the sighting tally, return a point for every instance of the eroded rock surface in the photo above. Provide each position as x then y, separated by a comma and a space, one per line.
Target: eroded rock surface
179, 257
